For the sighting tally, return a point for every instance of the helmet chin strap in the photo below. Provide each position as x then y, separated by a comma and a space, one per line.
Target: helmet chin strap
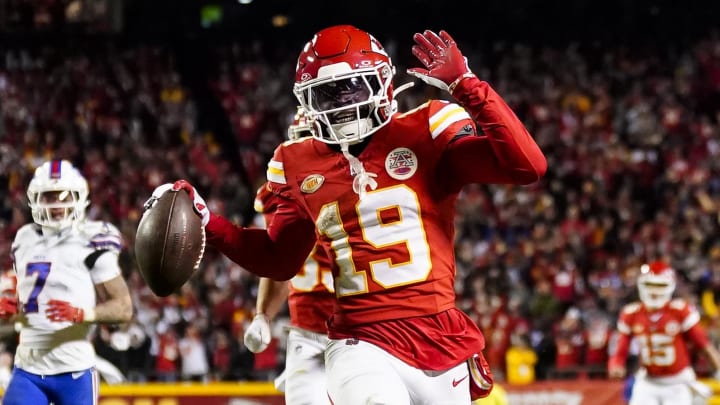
354, 128
361, 178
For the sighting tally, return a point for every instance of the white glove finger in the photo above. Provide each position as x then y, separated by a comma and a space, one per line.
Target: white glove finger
429, 80
257, 337
156, 194
253, 341
161, 189
265, 336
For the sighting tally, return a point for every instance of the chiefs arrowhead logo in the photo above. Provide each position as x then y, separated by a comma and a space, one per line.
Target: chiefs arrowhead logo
199, 207
312, 183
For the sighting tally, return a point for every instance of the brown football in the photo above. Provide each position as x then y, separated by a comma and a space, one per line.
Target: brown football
169, 243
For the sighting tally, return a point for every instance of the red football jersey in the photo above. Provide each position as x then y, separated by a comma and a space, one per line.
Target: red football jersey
662, 335
311, 297
392, 251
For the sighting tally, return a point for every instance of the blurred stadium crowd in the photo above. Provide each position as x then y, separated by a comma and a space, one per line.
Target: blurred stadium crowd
632, 138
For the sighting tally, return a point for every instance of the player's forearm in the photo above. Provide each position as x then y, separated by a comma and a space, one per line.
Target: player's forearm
271, 297
254, 249
714, 356
514, 149
114, 310
619, 357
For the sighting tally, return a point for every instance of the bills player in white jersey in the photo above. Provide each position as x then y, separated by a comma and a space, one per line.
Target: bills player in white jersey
68, 278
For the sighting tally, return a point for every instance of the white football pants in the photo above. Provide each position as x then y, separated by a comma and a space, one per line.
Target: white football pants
304, 381
360, 373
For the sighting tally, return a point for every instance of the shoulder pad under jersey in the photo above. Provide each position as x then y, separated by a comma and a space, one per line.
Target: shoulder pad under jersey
102, 235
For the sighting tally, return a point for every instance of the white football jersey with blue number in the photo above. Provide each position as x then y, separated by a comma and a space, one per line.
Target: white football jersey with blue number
64, 266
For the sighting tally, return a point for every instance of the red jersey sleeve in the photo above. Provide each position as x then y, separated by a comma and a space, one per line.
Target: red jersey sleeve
276, 253
620, 353
504, 153
691, 326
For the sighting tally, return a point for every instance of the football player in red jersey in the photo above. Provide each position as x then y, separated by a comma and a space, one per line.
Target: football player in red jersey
377, 190
663, 327
311, 301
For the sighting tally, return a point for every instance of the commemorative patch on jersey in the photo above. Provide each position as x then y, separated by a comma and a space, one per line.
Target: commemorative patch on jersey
401, 163
312, 183
672, 328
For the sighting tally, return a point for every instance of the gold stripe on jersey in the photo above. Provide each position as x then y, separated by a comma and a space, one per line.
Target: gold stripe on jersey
447, 116
276, 172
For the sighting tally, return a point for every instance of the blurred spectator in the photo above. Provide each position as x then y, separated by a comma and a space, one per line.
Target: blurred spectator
193, 356
570, 343
521, 360
168, 357
543, 307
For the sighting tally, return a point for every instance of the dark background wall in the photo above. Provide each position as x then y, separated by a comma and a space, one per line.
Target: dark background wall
533, 20
618, 21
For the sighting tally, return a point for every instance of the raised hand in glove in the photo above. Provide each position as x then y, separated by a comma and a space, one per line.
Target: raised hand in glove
8, 307
63, 311
445, 65
199, 204
257, 336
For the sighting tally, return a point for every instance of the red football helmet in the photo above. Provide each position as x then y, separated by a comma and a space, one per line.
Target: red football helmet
656, 284
343, 80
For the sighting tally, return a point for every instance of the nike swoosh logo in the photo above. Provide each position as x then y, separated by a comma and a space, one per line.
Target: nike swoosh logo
456, 382
79, 374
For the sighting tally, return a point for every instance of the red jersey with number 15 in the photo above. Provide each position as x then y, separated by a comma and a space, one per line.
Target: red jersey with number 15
311, 298
663, 335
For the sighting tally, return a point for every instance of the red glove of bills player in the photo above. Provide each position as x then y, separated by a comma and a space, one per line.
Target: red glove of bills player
8, 307
445, 65
63, 311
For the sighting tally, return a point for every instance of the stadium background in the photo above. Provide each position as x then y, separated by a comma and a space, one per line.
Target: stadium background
623, 96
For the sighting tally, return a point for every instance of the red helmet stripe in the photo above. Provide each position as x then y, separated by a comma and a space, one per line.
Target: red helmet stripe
55, 167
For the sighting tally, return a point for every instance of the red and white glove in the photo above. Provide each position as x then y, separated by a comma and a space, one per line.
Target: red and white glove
8, 307
199, 204
257, 336
63, 311
445, 65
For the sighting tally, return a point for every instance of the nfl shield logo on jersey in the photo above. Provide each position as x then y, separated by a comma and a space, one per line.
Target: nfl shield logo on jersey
401, 163
312, 183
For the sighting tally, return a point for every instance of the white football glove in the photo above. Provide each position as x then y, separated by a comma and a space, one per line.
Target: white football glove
257, 336
199, 203
156, 194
